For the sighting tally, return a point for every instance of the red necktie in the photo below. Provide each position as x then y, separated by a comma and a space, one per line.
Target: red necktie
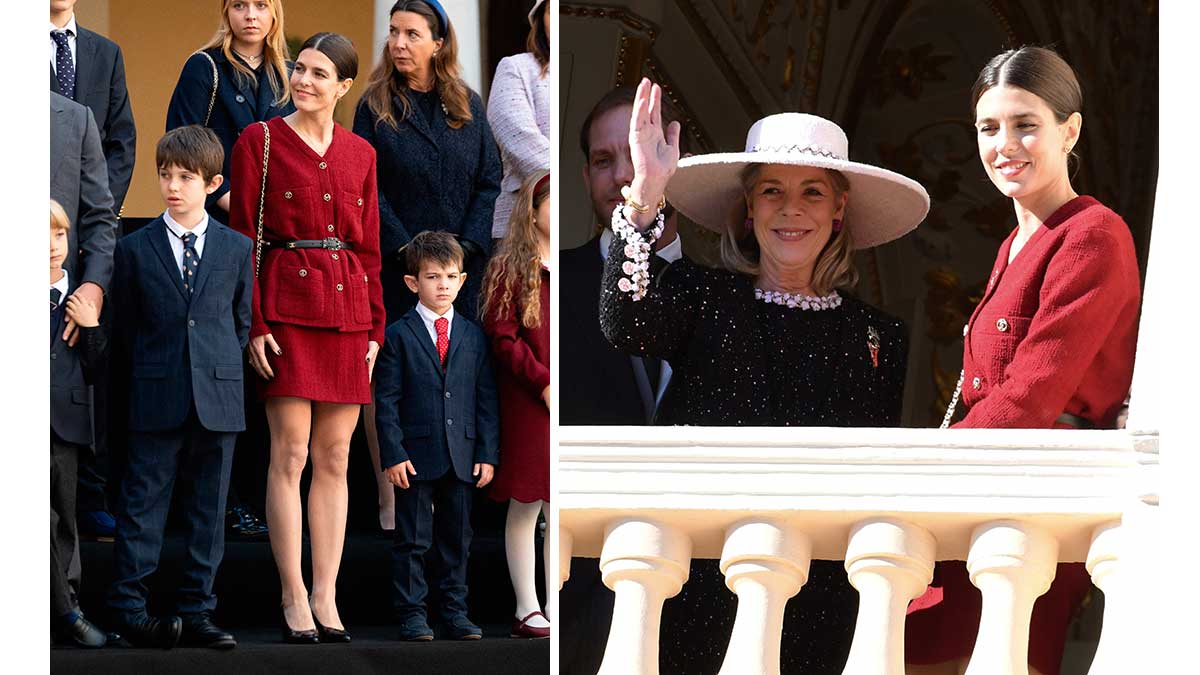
443, 338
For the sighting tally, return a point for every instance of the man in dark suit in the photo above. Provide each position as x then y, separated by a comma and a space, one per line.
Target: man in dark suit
600, 384
182, 293
439, 434
88, 68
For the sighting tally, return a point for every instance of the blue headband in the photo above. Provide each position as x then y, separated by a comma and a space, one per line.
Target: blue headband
443, 20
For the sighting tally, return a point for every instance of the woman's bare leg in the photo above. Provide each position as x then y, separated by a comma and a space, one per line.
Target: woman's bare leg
333, 424
290, 420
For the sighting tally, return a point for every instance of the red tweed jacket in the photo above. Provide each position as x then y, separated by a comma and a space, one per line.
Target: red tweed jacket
1056, 330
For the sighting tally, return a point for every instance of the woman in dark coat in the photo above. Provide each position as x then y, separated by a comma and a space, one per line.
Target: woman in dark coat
438, 165
246, 64
773, 340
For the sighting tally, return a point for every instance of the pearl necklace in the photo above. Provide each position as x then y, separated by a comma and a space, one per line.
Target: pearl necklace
814, 303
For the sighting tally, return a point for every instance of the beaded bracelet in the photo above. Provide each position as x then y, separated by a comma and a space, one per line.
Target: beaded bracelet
638, 249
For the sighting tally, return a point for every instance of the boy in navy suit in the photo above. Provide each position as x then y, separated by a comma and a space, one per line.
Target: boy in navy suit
181, 297
438, 422
72, 369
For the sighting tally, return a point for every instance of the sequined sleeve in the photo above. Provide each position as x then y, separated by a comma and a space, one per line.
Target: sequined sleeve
659, 323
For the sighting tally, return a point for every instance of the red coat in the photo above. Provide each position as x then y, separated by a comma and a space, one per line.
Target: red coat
1057, 329
522, 358
311, 197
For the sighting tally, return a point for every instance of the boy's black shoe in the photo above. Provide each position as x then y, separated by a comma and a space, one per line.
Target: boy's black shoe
75, 629
460, 628
241, 524
200, 631
144, 630
415, 629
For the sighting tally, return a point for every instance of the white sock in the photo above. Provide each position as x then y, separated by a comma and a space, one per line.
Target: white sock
551, 598
519, 528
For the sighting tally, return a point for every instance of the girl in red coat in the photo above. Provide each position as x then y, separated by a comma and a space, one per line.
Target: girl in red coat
1051, 344
318, 315
515, 305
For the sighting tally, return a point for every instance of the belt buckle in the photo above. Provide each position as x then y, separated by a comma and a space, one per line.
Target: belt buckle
332, 243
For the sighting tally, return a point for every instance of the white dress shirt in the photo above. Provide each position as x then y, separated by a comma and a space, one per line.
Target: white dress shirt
429, 317
72, 33
177, 231
63, 285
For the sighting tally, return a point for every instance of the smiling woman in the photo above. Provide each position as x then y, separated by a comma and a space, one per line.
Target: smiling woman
774, 340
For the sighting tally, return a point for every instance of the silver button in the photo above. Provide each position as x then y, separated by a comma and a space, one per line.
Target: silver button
322, 165
329, 227
447, 394
326, 196
335, 256
191, 322
53, 356
287, 195
966, 327
1001, 325
975, 383
449, 423
239, 98
303, 273
339, 287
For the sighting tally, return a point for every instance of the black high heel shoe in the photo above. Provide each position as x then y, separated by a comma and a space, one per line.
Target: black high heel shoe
298, 637
328, 635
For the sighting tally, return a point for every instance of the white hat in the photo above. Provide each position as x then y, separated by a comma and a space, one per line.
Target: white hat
883, 204
532, 12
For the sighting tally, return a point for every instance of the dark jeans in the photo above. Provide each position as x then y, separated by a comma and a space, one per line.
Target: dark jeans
64, 534
432, 513
197, 461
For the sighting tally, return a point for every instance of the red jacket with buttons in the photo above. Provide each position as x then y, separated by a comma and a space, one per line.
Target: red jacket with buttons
309, 196
1057, 329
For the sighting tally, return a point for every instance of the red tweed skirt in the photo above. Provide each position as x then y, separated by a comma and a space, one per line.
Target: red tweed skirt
318, 364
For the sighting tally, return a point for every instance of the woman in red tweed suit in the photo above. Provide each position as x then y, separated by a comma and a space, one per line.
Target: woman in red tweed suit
318, 316
515, 306
1051, 344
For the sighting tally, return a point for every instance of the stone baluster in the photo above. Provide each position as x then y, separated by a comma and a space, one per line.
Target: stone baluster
1114, 654
1012, 563
566, 542
644, 563
765, 562
890, 562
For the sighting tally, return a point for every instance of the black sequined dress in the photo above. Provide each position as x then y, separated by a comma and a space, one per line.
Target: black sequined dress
739, 361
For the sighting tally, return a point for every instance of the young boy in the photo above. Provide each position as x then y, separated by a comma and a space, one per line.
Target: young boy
72, 369
182, 287
438, 423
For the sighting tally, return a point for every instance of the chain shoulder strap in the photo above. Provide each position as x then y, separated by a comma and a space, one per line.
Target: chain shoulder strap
953, 400
212, 98
262, 198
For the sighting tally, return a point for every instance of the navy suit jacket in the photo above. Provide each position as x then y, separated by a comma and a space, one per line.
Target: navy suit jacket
438, 420
72, 369
100, 85
179, 350
238, 105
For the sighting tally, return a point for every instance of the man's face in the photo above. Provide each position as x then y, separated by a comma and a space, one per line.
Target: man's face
608, 167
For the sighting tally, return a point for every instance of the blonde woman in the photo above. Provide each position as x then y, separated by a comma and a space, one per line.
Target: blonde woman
249, 57
775, 339
515, 306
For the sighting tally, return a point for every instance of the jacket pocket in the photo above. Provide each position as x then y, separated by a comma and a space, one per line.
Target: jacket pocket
288, 206
227, 372
80, 395
351, 208
469, 430
298, 292
360, 298
416, 431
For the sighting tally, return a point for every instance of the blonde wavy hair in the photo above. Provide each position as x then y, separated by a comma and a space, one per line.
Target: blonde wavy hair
517, 265
835, 264
384, 86
275, 52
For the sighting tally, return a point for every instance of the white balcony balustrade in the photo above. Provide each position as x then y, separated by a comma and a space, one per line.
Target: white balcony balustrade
890, 502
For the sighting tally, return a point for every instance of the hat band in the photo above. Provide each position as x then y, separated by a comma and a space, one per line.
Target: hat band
790, 149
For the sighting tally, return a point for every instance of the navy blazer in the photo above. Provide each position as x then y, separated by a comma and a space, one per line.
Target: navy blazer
436, 419
179, 351
79, 182
238, 104
72, 369
100, 85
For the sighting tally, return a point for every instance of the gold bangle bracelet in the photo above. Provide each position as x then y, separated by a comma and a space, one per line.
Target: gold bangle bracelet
640, 208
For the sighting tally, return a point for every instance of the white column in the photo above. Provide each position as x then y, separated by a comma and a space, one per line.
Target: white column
467, 21
566, 542
644, 563
1012, 563
890, 562
380, 32
765, 563
1115, 655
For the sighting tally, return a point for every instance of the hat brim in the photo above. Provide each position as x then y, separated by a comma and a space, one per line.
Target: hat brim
883, 205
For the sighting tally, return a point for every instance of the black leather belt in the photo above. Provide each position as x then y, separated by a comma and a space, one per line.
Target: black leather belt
328, 243
1075, 421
